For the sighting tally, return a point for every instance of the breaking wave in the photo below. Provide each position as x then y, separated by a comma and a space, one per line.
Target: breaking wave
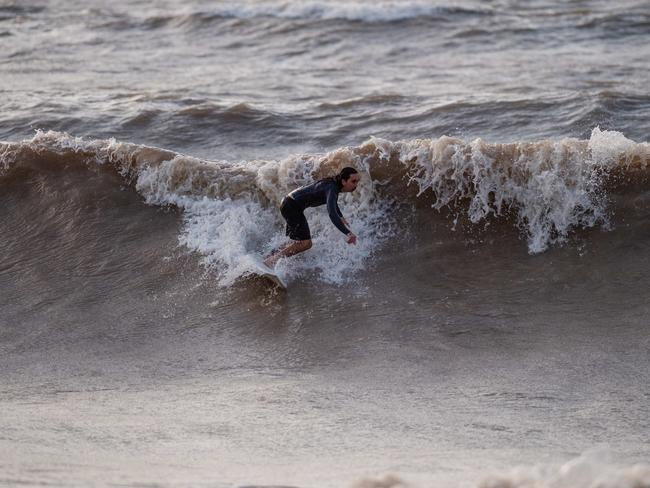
547, 189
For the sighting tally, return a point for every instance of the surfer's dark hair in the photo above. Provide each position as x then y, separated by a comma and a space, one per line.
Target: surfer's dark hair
345, 174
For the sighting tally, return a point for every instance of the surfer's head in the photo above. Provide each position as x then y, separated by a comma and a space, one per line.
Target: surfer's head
348, 179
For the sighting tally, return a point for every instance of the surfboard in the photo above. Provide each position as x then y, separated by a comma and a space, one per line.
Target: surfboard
263, 271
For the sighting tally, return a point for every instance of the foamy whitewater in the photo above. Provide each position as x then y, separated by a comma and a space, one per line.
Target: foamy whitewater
488, 330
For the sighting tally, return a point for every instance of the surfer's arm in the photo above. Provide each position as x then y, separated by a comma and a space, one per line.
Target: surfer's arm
338, 211
332, 208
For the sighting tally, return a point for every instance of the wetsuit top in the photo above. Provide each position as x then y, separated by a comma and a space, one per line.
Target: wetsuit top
318, 193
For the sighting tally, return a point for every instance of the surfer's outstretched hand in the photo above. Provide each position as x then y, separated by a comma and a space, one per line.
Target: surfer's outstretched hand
351, 239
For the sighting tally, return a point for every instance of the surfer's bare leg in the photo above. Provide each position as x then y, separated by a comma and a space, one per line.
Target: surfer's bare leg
290, 249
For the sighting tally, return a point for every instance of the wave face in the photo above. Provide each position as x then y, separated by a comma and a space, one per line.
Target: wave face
546, 189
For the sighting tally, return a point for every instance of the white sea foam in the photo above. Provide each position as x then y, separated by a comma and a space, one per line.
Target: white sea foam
229, 232
611, 148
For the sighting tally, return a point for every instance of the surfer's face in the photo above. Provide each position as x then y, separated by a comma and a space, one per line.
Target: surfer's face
351, 183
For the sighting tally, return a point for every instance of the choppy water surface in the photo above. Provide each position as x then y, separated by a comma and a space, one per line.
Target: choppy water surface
490, 329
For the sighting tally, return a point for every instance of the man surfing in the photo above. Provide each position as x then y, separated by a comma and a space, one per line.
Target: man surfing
325, 191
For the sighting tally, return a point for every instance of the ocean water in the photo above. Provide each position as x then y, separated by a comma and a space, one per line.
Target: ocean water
489, 330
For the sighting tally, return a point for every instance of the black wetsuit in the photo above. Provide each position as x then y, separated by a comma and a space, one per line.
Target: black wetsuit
321, 192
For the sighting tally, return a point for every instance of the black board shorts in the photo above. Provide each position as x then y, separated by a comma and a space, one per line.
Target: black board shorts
297, 226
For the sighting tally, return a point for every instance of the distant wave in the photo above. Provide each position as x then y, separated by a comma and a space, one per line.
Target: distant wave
6, 11
632, 22
312, 10
386, 11
199, 116
547, 188
627, 23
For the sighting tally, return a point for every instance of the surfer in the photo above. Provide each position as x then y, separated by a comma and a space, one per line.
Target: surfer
325, 191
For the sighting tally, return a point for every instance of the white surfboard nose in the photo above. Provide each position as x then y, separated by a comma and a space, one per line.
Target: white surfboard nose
265, 271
